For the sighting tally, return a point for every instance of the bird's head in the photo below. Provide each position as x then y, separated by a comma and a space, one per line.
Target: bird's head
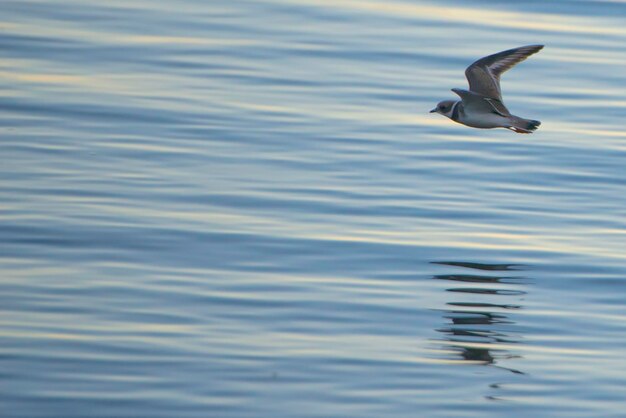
444, 108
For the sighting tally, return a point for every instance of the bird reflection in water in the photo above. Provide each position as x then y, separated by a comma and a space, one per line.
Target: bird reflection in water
480, 330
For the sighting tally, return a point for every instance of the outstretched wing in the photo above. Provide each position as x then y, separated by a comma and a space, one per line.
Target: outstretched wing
478, 103
484, 75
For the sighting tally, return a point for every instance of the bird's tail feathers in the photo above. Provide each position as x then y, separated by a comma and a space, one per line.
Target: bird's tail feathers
524, 126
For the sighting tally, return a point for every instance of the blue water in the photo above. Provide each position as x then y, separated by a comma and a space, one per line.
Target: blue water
244, 209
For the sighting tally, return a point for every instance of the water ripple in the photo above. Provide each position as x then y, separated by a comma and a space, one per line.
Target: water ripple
244, 209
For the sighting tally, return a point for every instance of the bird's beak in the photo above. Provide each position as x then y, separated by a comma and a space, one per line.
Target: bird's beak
433, 111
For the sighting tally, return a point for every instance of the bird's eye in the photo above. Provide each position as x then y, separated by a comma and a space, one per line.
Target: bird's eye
441, 107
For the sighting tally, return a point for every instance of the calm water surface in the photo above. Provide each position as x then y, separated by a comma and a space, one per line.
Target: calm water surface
243, 209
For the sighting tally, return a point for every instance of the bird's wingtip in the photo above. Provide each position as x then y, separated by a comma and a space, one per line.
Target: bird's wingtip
534, 47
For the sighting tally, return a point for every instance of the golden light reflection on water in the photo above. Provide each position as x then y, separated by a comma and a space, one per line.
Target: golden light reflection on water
486, 17
186, 40
78, 31
43, 78
424, 236
100, 83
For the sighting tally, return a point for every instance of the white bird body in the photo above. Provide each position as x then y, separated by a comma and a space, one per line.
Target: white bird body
482, 106
487, 121
483, 120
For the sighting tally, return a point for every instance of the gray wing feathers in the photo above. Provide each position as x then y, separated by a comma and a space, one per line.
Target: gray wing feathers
498, 107
477, 102
484, 75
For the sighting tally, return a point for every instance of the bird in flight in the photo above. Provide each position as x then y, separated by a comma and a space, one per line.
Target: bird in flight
482, 106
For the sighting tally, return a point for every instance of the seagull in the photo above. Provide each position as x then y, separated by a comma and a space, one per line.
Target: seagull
482, 106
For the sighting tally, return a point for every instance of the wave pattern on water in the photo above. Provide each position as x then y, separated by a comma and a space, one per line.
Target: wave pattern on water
243, 209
